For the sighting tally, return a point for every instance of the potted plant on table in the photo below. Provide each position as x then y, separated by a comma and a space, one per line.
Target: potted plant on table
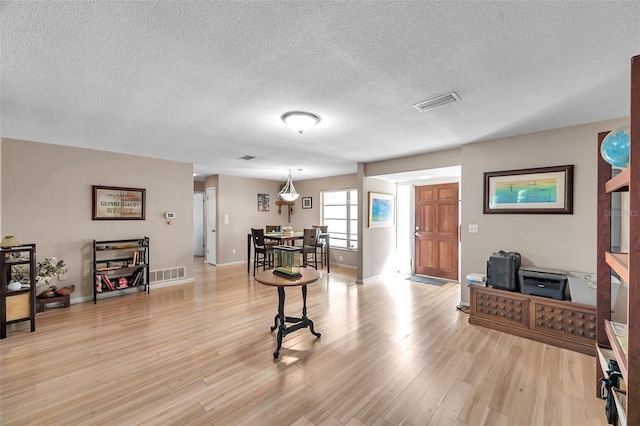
47, 269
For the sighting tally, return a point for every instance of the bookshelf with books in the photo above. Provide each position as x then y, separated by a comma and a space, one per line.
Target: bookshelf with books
619, 341
120, 265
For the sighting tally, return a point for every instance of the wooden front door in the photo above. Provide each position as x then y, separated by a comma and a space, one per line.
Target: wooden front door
436, 251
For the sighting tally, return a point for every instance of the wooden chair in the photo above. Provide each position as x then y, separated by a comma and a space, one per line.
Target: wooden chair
322, 244
263, 252
310, 246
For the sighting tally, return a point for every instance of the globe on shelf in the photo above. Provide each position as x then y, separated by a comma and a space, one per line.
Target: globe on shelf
615, 147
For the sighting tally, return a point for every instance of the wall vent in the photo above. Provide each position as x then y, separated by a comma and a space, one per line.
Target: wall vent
247, 157
437, 102
169, 274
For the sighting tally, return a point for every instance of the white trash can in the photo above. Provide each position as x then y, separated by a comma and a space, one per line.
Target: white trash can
477, 279
583, 285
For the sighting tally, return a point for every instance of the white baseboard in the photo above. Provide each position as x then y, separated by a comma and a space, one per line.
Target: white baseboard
172, 283
222, 265
368, 280
340, 265
115, 293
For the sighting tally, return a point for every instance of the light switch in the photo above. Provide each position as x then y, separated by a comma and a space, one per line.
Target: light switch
473, 228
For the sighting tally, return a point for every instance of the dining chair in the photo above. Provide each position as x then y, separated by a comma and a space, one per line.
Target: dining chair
309, 247
263, 252
322, 243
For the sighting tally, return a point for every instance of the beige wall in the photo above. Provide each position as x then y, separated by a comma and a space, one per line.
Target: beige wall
552, 241
1, 233
376, 246
238, 213
432, 160
46, 199
198, 186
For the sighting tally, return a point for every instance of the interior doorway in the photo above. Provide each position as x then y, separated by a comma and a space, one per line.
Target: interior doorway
198, 223
436, 230
211, 237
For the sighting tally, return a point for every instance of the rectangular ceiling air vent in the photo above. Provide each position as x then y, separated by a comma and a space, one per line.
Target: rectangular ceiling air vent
436, 102
247, 157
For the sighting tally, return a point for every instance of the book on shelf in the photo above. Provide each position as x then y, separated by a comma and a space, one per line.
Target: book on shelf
137, 277
108, 282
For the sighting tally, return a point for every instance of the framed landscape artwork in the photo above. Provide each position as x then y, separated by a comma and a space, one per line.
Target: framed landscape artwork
537, 190
381, 210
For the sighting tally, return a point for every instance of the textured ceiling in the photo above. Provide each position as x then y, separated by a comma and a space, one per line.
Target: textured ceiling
207, 82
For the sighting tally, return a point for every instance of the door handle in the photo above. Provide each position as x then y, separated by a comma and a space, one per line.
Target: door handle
417, 234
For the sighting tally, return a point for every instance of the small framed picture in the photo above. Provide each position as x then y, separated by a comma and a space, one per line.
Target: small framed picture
263, 202
381, 210
306, 202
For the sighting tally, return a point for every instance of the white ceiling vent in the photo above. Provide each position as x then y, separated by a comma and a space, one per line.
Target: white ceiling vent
437, 102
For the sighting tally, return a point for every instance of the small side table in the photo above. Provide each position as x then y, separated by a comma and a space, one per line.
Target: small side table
42, 303
269, 278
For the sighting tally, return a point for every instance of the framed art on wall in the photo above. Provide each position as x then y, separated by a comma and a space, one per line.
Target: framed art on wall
306, 202
263, 202
115, 203
537, 190
381, 210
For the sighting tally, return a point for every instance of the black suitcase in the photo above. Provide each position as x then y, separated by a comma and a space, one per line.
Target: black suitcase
502, 270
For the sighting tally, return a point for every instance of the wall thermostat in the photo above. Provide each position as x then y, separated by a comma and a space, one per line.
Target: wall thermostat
169, 215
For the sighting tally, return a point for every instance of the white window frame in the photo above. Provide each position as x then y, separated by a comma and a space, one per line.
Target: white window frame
351, 235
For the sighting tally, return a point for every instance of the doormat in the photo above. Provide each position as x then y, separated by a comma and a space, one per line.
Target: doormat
426, 280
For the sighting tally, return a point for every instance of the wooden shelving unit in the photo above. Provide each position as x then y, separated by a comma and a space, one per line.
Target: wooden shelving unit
120, 265
19, 305
623, 339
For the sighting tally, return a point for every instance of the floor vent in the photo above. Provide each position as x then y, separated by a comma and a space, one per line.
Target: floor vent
168, 274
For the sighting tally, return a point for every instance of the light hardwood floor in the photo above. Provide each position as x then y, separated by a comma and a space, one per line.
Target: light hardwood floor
392, 352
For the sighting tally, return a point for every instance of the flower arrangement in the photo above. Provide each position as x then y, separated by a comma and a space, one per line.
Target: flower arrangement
49, 268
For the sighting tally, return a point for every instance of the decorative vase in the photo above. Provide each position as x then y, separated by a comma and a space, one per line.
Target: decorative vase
14, 286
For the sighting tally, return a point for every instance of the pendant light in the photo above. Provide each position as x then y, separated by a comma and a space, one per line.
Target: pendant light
288, 192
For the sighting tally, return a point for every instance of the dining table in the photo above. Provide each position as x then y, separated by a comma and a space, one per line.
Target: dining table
288, 238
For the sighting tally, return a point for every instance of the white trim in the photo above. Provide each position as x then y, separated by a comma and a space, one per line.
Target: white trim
368, 280
237, 262
113, 293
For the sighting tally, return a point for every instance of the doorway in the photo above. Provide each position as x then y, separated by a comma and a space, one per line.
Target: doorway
436, 230
198, 224
211, 238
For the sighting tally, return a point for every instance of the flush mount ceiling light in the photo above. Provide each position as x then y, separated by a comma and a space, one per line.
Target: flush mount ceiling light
300, 121
288, 192
436, 102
